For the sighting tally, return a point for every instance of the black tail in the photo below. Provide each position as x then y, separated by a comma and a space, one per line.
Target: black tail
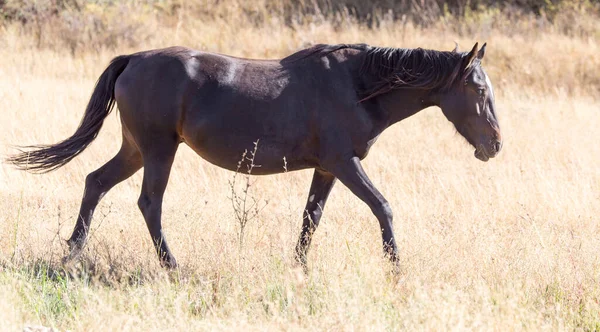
46, 158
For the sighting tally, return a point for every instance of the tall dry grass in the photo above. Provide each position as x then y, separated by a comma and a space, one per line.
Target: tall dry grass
511, 244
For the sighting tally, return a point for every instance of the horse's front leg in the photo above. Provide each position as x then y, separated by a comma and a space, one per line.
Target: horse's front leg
353, 176
320, 188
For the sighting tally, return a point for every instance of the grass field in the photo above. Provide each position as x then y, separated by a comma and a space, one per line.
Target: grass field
512, 244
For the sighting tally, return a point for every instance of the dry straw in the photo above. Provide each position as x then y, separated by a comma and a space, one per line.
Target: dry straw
511, 244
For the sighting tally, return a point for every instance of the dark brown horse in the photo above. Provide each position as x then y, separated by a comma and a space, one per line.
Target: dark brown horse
320, 108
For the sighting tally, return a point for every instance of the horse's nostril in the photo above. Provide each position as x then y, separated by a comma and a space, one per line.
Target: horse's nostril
497, 146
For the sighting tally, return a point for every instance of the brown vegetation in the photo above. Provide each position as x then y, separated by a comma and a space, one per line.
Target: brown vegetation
510, 244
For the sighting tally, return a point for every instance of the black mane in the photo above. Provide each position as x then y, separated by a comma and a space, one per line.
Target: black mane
397, 68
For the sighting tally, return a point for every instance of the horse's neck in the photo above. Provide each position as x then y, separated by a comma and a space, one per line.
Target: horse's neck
403, 103
394, 103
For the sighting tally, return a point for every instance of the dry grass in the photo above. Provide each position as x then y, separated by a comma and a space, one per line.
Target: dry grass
511, 244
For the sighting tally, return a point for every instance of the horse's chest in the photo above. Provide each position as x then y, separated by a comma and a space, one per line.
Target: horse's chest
365, 134
362, 149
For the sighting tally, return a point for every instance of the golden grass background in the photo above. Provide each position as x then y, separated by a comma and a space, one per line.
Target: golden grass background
511, 244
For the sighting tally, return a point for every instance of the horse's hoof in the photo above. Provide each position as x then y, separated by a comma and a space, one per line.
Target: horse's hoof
300, 260
68, 260
304, 266
169, 264
71, 257
395, 269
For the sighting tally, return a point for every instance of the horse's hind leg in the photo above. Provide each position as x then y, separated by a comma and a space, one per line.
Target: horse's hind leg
127, 161
158, 160
320, 188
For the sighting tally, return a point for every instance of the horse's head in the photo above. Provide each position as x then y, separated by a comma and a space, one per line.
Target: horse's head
469, 105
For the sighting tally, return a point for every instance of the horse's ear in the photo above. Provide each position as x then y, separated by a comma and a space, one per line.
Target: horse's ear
468, 61
481, 52
455, 50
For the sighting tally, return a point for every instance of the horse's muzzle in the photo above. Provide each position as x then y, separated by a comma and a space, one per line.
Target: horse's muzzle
484, 152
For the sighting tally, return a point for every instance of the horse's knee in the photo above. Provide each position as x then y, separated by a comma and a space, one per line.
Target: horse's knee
387, 210
383, 211
144, 203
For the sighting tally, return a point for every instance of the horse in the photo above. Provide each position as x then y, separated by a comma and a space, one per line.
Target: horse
320, 108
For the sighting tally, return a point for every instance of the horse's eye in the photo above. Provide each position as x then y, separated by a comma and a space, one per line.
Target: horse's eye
480, 92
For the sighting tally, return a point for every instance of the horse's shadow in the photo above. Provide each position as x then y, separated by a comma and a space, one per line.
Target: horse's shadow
86, 269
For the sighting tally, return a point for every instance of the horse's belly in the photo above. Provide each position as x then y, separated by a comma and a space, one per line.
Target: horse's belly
262, 155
